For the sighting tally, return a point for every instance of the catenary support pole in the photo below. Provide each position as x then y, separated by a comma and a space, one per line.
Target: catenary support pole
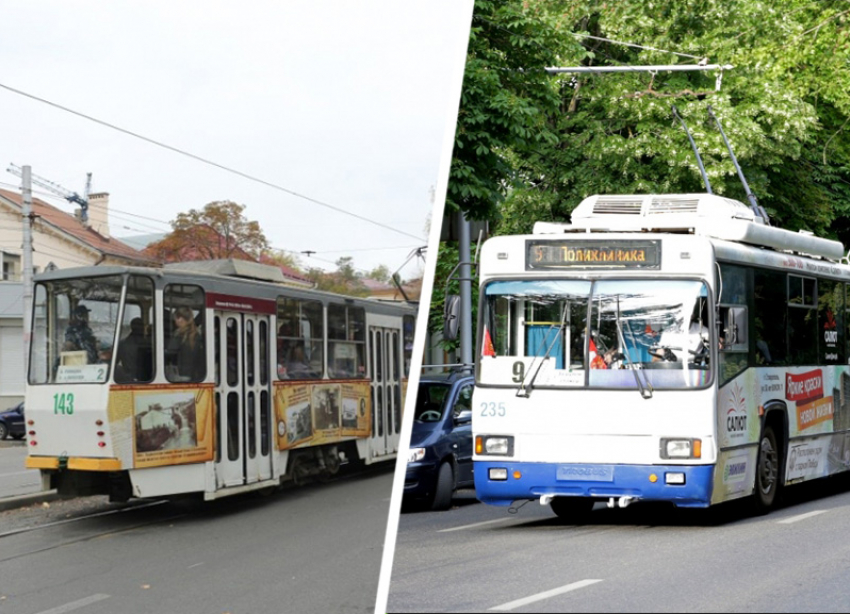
26, 205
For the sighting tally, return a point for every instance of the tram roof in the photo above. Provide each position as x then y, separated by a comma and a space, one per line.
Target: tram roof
207, 275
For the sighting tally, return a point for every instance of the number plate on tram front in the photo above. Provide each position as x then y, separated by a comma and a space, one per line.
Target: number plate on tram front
585, 473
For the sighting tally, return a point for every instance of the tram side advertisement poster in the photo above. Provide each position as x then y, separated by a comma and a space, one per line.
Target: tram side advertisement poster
164, 425
321, 413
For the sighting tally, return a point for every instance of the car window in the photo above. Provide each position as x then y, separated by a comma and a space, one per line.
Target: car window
430, 402
464, 400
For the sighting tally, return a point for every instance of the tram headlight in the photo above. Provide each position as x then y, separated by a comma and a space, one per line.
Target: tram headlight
415, 455
681, 448
494, 445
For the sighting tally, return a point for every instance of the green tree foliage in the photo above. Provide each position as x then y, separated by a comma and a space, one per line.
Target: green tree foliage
531, 146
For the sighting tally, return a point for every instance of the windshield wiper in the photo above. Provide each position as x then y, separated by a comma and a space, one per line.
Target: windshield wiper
525, 390
645, 388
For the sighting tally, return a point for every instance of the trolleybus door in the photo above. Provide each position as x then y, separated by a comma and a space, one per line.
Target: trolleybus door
243, 399
385, 360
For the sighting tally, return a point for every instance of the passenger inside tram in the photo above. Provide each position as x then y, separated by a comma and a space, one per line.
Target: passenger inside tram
134, 355
184, 359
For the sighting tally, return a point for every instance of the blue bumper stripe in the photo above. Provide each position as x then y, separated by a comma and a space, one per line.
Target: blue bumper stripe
616, 481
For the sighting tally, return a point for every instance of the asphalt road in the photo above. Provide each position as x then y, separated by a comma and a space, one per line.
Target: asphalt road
316, 548
647, 557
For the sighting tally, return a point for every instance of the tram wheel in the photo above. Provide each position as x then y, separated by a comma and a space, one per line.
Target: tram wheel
767, 472
444, 488
572, 509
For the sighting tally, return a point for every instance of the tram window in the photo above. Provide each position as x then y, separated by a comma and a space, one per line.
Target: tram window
264, 353
374, 411
378, 374
249, 352
232, 359
135, 353
380, 410
252, 426
395, 359
769, 317
802, 320
831, 321
217, 346
346, 341
75, 324
409, 326
217, 427
265, 420
183, 323
232, 426
397, 390
300, 339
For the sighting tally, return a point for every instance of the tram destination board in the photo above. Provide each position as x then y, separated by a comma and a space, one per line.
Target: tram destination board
549, 254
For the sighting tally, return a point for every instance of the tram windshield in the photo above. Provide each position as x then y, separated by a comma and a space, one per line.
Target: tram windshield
641, 334
74, 323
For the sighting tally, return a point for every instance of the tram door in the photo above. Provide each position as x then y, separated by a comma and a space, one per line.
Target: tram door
243, 399
385, 362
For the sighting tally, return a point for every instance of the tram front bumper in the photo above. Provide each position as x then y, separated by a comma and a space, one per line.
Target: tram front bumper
641, 482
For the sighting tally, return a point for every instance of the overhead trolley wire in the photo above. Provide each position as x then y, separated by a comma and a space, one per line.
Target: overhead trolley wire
208, 162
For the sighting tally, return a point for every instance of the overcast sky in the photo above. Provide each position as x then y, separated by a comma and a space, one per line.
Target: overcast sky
344, 102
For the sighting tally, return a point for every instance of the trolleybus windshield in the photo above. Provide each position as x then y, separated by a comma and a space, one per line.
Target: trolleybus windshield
569, 333
74, 329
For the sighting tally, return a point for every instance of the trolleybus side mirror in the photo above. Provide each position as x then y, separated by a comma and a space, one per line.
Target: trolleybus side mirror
451, 317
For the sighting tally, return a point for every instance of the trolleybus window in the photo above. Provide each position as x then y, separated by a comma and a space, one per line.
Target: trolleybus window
300, 339
134, 358
74, 329
346, 341
733, 342
831, 322
769, 296
535, 333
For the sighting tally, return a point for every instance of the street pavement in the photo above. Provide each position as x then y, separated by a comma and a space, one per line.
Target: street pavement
315, 548
648, 557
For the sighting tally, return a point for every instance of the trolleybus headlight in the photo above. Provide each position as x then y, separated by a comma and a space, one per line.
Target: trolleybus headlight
681, 448
495, 445
415, 455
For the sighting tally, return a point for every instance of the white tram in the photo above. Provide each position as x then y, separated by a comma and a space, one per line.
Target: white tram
671, 348
207, 378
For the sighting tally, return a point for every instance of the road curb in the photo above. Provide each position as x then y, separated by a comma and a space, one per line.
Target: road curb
9, 503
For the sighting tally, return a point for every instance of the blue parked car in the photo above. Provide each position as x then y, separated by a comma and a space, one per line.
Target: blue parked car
440, 459
12, 422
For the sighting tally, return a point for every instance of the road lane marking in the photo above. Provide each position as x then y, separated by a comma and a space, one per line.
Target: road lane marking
513, 605
195, 565
802, 517
472, 526
76, 605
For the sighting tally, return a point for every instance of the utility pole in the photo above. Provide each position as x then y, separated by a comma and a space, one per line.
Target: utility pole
26, 205
465, 292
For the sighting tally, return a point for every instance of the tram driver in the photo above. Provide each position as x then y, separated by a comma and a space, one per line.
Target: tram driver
79, 335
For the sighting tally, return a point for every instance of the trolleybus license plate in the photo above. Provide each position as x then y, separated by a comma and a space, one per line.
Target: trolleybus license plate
586, 473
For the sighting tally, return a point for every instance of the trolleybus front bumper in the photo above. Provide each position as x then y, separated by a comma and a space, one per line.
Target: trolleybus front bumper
639, 482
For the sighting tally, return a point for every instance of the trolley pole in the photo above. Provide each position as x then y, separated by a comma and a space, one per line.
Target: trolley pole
26, 205
465, 292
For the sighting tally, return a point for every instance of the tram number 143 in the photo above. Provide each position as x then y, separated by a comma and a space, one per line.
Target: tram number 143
63, 404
